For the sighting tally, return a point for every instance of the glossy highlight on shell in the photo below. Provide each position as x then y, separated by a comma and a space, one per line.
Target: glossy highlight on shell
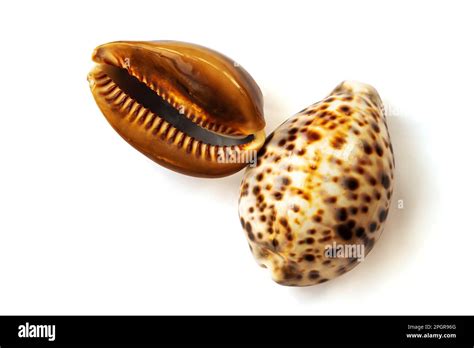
185, 106
322, 185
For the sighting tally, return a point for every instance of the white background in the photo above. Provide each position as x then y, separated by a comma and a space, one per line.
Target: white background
90, 226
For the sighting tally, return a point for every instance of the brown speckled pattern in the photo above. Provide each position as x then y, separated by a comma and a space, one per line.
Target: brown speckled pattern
324, 176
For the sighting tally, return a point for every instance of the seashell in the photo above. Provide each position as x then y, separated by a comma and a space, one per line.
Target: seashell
185, 106
316, 202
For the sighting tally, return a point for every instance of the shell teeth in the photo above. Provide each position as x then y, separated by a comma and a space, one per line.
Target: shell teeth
102, 80
225, 130
109, 87
113, 94
120, 100
127, 103
143, 117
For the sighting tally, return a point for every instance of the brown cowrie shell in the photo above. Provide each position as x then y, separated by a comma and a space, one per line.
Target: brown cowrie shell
316, 203
187, 107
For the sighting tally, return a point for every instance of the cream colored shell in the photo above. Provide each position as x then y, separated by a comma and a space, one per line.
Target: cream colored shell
323, 181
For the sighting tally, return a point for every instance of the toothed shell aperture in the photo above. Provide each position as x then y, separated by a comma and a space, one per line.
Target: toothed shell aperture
322, 184
184, 106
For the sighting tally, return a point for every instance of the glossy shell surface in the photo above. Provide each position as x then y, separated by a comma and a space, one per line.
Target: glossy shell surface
184, 106
316, 202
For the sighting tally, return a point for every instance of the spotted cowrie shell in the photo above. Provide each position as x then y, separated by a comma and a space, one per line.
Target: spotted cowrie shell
316, 202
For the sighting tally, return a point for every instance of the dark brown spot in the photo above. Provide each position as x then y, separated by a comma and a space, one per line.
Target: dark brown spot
375, 127
284, 222
341, 214
346, 109
351, 224
367, 147
308, 257
351, 183
313, 275
278, 196
344, 231
309, 240
337, 142
385, 180
248, 228
360, 232
372, 227
378, 149
293, 130
382, 215
313, 135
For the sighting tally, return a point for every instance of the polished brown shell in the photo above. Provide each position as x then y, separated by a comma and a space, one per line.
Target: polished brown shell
182, 105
